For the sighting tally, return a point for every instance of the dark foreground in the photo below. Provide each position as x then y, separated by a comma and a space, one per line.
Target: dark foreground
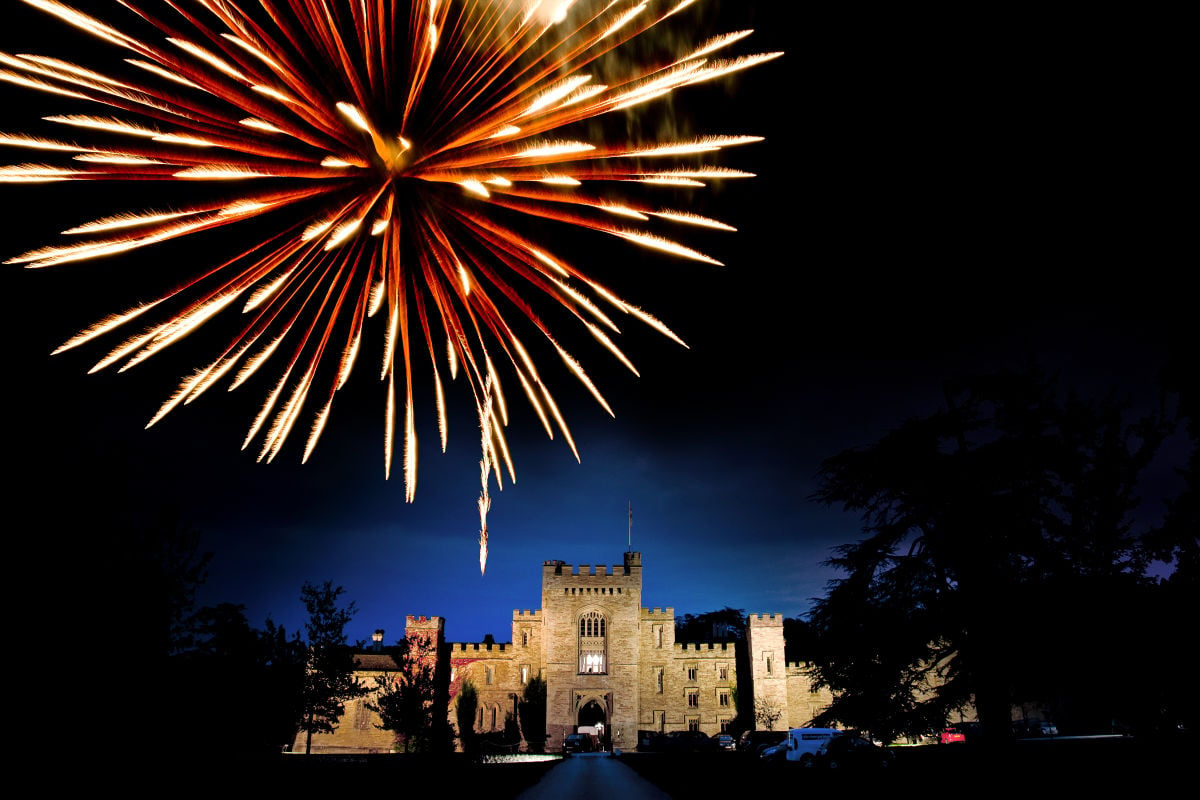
1076, 765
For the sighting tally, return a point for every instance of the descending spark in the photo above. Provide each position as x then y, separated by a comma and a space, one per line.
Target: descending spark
386, 164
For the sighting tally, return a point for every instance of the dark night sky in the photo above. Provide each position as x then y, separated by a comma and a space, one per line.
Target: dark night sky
929, 201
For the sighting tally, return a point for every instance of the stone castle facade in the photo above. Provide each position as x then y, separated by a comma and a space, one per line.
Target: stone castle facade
605, 659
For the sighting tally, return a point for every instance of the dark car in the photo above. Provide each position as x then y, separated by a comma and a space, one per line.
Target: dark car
579, 743
849, 752
1034, 728
773, 754
754, 742
690, 742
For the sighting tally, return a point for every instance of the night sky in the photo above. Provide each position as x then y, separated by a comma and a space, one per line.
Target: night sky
928, 202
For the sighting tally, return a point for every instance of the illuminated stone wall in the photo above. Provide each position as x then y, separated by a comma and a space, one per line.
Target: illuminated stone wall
803, 702
647, 681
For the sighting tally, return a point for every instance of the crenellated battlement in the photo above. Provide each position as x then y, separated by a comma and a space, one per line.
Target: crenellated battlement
657, 613
424, 624
696, 647
631, 567
527, 615
458, 648
765, 620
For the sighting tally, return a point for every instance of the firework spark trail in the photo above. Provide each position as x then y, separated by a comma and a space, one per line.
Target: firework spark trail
391, 183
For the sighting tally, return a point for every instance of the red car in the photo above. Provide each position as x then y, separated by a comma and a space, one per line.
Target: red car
951, 735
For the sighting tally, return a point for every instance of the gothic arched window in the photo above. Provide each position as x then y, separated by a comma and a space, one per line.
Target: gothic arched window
593, 649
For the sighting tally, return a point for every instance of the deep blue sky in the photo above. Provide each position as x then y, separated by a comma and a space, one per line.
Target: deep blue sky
921, 209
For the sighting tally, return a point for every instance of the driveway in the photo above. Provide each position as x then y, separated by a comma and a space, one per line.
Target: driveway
593, 776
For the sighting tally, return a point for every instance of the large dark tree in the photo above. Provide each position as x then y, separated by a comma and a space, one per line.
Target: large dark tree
329, 679
236, 689
532, 711
977, 520
464, 716
405, 700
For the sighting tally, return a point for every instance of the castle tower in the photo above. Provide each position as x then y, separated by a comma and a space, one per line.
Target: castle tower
591, 648
764, 642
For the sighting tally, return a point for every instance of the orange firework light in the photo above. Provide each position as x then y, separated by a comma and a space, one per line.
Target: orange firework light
391, 149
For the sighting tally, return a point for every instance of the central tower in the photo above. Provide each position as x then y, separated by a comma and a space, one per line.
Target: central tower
592, 650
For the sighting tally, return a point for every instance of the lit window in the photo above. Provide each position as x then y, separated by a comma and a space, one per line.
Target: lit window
524, 675
593, 643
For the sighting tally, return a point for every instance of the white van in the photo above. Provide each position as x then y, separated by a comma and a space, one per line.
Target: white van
806, 740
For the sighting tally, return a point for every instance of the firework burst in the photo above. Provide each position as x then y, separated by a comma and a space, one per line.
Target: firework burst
391, 146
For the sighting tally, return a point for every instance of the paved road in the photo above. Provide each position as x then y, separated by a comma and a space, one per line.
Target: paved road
593, 776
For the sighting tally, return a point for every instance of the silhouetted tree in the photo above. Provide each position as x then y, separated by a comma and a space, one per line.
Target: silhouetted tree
464, 715
532, 712
977, 519
405, 699
235, 688
724, 625
329, 679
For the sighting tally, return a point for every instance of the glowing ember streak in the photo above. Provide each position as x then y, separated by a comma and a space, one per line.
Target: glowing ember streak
365, 136
555, 149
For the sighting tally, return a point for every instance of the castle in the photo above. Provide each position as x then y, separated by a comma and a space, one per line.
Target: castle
606, 660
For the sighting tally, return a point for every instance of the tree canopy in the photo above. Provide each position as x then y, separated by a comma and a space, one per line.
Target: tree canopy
986, 526
406, 700
329, 680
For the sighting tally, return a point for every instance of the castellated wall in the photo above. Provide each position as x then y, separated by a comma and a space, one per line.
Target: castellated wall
683, 685
803, 702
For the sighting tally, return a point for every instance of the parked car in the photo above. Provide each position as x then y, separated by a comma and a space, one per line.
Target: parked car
690, 742
849, 752
1033, 728
651, 741
579, 743
773, 754
754, 742
725, 741
951, 735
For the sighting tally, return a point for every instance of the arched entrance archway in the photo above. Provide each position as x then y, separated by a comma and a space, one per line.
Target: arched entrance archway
592, 713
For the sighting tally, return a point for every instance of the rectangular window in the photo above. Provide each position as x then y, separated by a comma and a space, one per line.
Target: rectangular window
659, 679
723, 673
723, 699
692, 673
724, 726
489, 674
693, 724
658, 635
524, 674
693, 699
